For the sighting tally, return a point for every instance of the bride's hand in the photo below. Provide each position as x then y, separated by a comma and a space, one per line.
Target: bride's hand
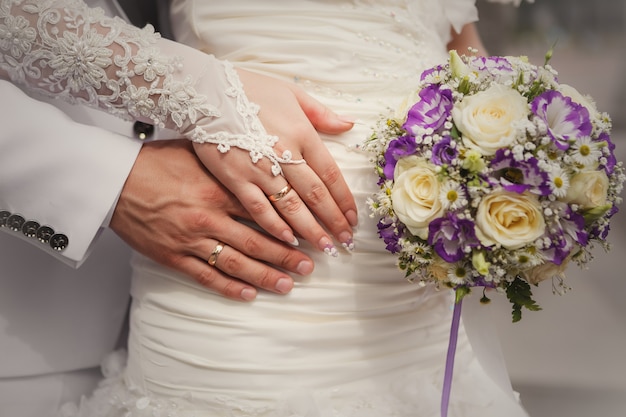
320, 195
173, 211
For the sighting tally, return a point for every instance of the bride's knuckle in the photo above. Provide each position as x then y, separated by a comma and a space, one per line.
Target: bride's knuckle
331, 175
257, 207
291, 204
316, 195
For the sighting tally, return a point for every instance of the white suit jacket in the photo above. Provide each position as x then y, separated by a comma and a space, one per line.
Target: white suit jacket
66, 176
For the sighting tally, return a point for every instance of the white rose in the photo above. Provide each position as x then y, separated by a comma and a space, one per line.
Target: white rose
545, 271
510, 219
588, 189
586, 102
415, 194
489, 119
402, 110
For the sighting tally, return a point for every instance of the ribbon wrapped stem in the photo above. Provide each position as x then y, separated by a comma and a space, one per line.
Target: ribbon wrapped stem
454, 334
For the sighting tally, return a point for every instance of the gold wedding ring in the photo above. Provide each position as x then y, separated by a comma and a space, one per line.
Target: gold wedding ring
280, 195
216, 252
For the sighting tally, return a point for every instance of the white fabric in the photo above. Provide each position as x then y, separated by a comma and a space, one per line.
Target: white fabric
57, 322
58, 172
48, 173
54, 318
354, 339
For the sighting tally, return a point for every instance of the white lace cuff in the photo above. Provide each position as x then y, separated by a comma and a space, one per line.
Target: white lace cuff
65, 49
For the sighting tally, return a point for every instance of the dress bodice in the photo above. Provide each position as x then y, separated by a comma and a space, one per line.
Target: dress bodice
359, 48
361, 58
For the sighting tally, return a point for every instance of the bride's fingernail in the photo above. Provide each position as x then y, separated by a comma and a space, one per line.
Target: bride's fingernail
346, 241
352, 218
290, 238
327, 246
346, 119
331, 250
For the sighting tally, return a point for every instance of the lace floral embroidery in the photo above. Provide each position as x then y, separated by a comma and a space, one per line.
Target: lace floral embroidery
254, 140
63, 48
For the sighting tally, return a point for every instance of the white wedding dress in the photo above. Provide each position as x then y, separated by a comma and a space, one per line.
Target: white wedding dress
354, 339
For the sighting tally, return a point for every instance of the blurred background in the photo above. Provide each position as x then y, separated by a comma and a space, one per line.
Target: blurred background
570, 358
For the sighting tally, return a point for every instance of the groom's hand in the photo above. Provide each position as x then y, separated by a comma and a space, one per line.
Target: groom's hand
173, 211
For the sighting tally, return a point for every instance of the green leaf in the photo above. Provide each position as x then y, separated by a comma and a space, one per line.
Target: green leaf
549, 54
520, 295
464, 86
593, 214
454, 133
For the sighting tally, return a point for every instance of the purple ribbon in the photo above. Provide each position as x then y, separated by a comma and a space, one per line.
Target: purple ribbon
447, 378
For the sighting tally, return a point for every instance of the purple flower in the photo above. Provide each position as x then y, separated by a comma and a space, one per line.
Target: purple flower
565, 119
494, 65
519, 176
390, 233
438, 71
397, 149
444, 152
558, 250
609, 153
432, 110
602, 232
567, 232
449, 236
573, 225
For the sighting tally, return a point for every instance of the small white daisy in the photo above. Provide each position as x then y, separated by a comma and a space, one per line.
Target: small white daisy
452, 196
458, 274
586, 152
559, 181
526, 258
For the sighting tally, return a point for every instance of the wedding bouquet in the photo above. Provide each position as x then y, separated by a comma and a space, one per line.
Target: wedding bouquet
494, 175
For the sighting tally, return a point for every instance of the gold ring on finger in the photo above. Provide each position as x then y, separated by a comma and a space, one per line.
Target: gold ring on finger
280, 195
216, 252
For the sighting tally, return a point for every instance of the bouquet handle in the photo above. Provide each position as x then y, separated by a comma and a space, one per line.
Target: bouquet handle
449, 369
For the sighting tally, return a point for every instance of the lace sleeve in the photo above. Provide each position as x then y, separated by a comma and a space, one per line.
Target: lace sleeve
65, 49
